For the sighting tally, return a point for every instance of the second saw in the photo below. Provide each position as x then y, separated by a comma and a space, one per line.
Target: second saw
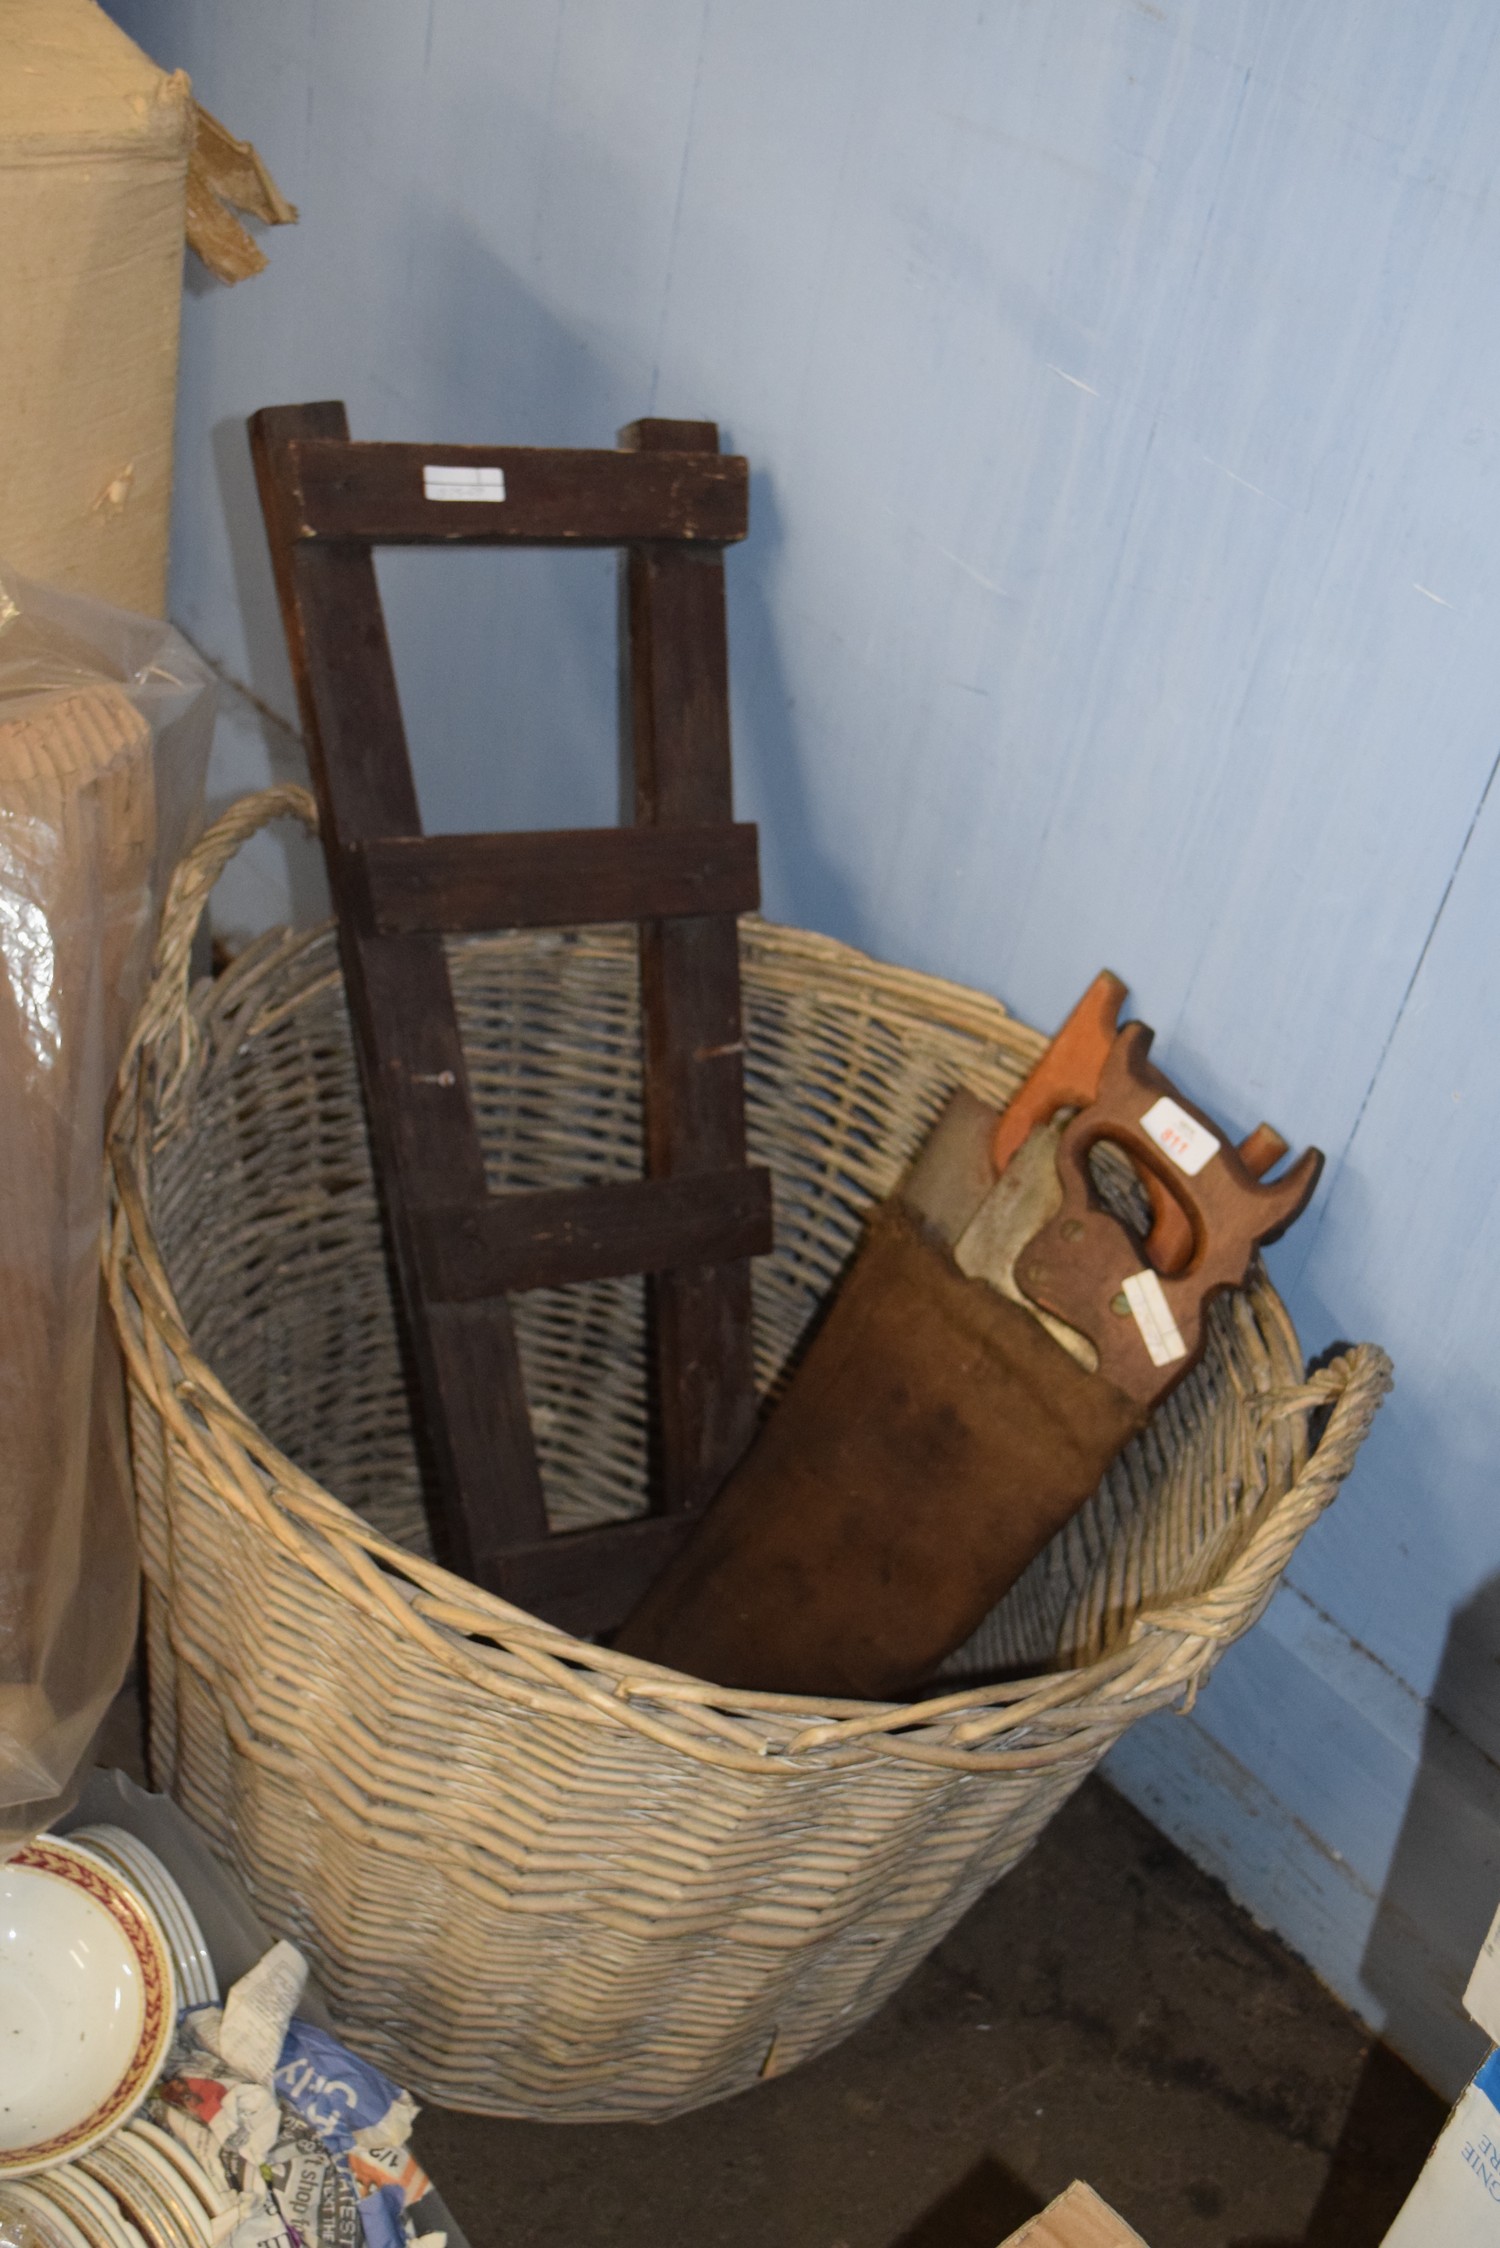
1004, 1330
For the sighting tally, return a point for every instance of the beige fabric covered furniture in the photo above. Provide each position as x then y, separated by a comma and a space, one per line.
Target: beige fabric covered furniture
94, 144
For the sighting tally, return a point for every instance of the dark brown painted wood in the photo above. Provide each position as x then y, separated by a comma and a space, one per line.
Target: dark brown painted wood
684, 871
690, 993
406, 1037
557, 879
589, 1580
377, 493
557, 1237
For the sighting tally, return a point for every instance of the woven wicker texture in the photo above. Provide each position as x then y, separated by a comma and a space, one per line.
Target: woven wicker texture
538, 1878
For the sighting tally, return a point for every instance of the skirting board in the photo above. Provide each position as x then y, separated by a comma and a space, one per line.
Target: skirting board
1344, 1814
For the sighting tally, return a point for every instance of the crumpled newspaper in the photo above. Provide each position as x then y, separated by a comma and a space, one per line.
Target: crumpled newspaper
362, 2120
309, 2140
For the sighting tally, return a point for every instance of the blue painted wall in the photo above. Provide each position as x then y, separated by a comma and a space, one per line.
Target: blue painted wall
1120, 381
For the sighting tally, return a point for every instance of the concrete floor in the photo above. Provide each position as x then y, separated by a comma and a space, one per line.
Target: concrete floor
1106, 2012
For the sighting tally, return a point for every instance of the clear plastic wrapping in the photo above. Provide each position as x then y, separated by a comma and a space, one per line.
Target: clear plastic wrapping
105, 724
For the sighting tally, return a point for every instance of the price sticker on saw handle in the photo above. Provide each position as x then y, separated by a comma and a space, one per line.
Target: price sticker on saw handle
1181, 1138
1159, 1331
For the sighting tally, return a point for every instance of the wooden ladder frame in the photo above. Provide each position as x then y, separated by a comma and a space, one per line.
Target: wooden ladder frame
684, 871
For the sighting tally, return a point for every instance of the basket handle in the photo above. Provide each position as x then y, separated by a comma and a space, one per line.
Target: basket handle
166, 1001
1354, 1384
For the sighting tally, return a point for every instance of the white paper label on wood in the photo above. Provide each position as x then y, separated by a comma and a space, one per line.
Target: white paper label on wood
441, 480
1153, 1315
1180, 1136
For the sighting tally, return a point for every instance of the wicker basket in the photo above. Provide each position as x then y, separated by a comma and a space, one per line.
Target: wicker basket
537, 1878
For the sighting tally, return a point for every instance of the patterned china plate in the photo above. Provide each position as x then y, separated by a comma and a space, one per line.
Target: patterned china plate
96, 2216
139, 2198
211, 2193
51, 2225
87, 2000
196, 1982
186, 2209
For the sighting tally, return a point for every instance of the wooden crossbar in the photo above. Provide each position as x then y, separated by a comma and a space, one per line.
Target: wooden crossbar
556, 878
510, 495
683, 871
557, 1237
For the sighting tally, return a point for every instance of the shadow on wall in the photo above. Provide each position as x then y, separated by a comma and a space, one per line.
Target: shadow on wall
278, 875
1441, 1883
1443, 1886
801, 879
1444, 1878
507, 662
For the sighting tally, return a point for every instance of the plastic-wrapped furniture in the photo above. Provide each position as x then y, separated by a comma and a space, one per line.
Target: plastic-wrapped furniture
105, 720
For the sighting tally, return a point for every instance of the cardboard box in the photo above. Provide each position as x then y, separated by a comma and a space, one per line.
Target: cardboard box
1455, 2203
94, 145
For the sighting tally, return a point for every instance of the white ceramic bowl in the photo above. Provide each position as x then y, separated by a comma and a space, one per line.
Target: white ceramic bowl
87, 2003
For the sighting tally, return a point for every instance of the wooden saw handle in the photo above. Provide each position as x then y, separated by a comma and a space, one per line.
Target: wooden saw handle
1068, 1076
1086, 1268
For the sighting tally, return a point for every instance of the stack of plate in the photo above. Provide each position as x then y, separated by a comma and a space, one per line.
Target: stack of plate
197, 1985
98, 1948
88, 2002
136, 2189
